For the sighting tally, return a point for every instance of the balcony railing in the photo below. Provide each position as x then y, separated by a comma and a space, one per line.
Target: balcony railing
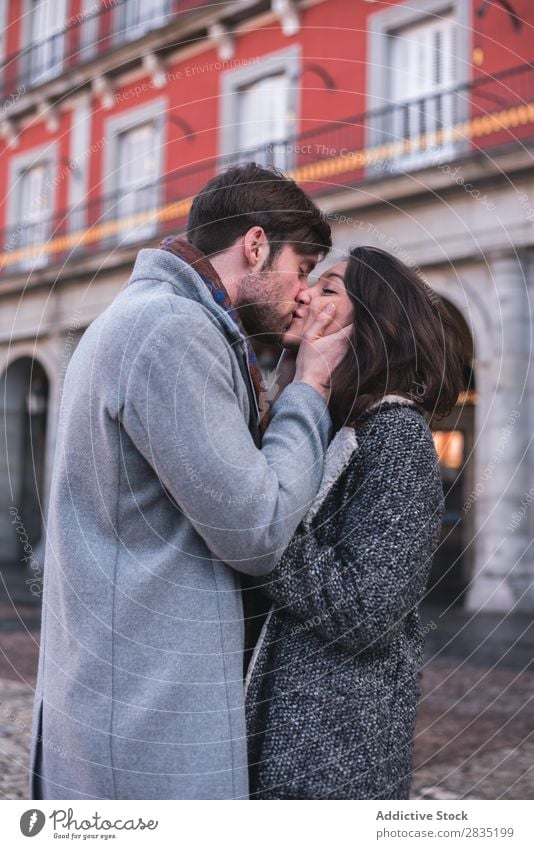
83, 38
499, 111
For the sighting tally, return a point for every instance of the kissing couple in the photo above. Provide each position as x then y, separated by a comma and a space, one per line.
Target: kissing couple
232, 586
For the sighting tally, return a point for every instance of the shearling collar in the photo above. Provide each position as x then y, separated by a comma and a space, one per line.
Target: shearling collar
337, 458
393, 399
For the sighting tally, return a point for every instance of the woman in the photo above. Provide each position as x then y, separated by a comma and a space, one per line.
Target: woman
332, 687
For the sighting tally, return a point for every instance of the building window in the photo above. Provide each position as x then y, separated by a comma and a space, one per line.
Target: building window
34, 217
418, 59
89, 29
423, 77
133, 167
264, 122
137, 17
46, 39
259, 104
137, 189
30, 208
3, 35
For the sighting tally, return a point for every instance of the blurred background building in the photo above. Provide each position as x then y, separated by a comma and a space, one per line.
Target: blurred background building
410, 123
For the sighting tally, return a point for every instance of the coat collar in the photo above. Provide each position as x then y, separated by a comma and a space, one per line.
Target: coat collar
339, 454
159, 265
155, 264
337, 457
393, 399
184, 250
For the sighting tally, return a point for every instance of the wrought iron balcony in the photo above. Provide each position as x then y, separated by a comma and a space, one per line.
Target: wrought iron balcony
493, 112
83, 38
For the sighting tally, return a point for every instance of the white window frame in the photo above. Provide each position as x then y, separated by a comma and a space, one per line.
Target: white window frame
89, 30
153, 16
153, 112
381, 26
4, 22
30, 50
233, 81
46, 155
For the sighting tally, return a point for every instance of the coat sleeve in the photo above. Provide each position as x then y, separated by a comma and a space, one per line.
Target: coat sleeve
357, 590
182, 412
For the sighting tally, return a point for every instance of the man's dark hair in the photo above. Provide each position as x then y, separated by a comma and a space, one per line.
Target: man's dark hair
249, 195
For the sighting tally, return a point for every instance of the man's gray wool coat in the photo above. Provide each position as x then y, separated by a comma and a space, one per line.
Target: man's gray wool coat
333, 683
159, 499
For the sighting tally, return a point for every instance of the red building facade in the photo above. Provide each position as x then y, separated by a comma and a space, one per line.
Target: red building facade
411, 123
115, 109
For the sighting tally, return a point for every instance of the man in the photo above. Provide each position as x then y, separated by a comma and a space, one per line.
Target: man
162, 496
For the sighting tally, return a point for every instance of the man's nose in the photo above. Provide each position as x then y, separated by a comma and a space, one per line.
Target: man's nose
304, 296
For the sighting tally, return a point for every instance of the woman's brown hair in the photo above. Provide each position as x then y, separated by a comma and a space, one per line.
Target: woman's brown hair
402, 341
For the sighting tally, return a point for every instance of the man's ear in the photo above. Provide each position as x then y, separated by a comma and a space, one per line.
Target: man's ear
256, 248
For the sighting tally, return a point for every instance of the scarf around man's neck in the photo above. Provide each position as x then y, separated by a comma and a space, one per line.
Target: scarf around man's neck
200, 263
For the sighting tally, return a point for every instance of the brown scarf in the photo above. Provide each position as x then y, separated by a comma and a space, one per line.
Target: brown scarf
203, 267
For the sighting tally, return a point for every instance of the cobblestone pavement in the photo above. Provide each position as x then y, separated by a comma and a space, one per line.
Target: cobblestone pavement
475, 730
474, 736
15, 724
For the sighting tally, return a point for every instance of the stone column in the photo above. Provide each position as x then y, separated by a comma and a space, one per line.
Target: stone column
503, 571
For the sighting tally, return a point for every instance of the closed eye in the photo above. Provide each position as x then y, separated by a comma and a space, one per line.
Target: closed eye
329, 292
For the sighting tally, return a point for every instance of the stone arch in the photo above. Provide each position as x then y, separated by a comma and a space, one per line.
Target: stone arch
24, 417
476, 321
39, 354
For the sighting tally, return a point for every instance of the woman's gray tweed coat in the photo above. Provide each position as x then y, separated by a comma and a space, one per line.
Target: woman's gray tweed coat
334, 681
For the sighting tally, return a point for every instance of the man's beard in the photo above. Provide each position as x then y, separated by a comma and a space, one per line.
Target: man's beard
262, 308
